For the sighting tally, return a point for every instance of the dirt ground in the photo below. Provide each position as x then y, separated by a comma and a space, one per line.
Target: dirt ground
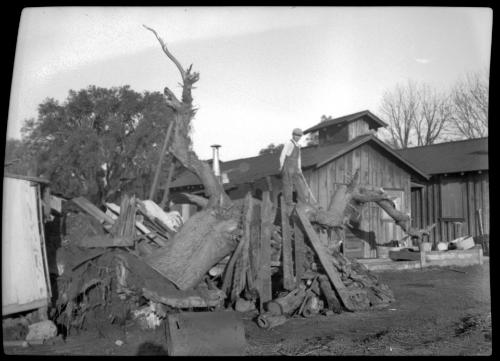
438, 311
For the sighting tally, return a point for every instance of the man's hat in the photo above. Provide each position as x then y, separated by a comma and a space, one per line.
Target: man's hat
297, 131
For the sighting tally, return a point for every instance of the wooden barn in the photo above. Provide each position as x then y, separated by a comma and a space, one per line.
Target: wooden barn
456, 197
345, 144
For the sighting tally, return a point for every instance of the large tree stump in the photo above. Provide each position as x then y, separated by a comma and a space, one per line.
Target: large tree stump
200, 244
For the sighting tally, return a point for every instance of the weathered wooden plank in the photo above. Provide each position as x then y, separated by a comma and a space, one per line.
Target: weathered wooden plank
478, 197
299, 252
356, 161
254, 254
430, 210
91, 209
346, 169
229, 272
286, 249
314, 184
365, 171
242, 263
486, 203
471, 206
349, 167
465, 223
322, 190
425, 220
264, 280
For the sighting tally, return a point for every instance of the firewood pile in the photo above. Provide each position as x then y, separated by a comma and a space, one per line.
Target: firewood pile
279, 267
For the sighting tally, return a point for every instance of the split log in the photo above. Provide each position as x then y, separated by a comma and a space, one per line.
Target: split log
200, 244
311, 307
268, 321
287, 304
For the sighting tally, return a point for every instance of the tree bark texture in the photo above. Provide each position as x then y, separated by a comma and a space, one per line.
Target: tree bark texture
202, 242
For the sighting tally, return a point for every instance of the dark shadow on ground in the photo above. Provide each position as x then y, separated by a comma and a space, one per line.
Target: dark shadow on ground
151, 349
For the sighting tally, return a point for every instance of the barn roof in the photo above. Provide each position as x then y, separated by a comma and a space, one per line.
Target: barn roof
450, 157
373, 120
246, 170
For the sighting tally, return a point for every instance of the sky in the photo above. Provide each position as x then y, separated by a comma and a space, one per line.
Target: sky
263, 70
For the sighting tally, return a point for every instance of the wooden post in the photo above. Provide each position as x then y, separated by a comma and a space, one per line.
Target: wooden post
264, 280
480, 254
167, 185
160, 160
254, 247
422, 259
242, 263
299, 252
287, 262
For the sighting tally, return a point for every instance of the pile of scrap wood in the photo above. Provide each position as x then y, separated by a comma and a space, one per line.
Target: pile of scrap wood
102, 268
282, 266
293, 269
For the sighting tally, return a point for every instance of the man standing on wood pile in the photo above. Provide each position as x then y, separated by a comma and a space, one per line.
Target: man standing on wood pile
291, 171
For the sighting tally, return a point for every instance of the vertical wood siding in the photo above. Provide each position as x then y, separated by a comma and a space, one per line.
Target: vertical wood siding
426, 206
357, 128
375, 169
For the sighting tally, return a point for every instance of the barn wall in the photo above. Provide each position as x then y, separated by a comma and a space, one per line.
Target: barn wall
450, 200
375, 169
357, 128
25, 283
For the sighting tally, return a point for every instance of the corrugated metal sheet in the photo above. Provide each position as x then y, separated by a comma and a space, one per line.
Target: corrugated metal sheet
24, 283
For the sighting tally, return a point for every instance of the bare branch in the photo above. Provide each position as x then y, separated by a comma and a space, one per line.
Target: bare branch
169, 54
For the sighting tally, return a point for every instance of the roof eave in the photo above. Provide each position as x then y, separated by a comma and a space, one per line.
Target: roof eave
382, 144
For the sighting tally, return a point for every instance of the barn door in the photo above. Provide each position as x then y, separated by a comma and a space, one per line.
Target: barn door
390, 230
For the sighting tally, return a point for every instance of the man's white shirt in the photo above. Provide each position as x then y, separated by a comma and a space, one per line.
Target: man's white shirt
287, 150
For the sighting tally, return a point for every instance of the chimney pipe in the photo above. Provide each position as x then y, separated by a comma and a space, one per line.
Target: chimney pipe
215, 162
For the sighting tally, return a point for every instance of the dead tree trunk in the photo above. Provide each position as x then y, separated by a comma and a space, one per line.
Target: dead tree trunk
207, 237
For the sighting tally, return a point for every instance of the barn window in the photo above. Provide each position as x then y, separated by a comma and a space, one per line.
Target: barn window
451, 198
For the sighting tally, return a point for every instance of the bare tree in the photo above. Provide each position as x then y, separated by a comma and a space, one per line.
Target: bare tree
470, 105
416, 113
400, 108
434, 116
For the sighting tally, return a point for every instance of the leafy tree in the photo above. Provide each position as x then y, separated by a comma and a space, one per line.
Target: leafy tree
99, 142
17, 160
271, 149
